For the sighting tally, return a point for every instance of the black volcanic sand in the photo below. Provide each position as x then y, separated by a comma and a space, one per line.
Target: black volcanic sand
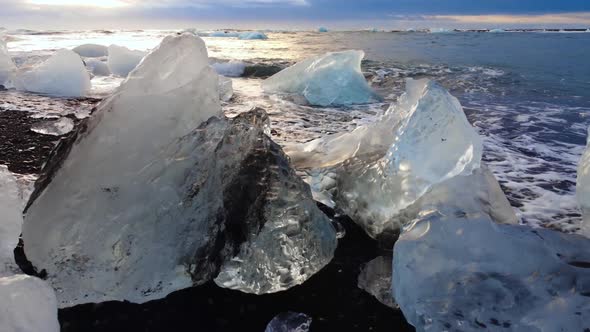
21, 149
331, 298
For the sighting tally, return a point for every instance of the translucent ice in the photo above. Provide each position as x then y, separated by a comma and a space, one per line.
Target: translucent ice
322, 29
471, 274
91, 50
97, 67
377, 171
329, 79
375, 279
58, 127
289, 322
103, 198
230, 69
123, 60
28, 305
252, 35
226, 90
11, 220
7, 66
160, 192
583, 188
224, 34
63, 74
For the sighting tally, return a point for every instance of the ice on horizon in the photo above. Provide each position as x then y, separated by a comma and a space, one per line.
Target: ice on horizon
253, 35
332, 79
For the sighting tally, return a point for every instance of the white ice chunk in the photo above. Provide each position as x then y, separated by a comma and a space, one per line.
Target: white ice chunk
58, 127
7, 66
330, 79
471, 274
381, 169
123, 60
27, 304
100, 195
230, 69
98, 67
91, 50
583, 188
375, 279
63, 74
252, 35
11, 220
226, 90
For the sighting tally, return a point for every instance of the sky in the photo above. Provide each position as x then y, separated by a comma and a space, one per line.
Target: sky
338, 14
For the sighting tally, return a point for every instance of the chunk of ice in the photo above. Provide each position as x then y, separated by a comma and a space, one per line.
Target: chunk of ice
226, 90
28, 305
91, 50
289, 322
11, 221
471, 274
230, 69
329, 79
58, 127
252, 35
583, 188
63, 74
322, 29
7, 66
98, 67
123, 60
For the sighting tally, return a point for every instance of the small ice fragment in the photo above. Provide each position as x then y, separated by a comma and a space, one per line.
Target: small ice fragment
98, 67
289, 322
7, 66
230, 69
252, 35
323, 29
226, 90
54, 127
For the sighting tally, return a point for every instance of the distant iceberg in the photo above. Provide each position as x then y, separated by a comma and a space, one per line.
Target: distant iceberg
91, 50
7, 66
223, 34
330, 79
123, 60
230, 69
63, 74
497, 31
441, 30
322, 29
252, 35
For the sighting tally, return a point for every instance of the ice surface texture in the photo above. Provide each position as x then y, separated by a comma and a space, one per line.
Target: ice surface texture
583, 189
375, 279
122, 60
58, 127
91, 50
226, 89
97, 67
230, 69
145, 204
27, 304
63, 74
289, 322
470, 274
378, 173
329, 79
7, 66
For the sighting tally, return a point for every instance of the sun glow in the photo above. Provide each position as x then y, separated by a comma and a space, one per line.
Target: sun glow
80, 3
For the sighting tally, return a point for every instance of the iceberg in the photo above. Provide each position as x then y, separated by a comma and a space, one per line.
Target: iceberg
330, 79
160, 192
28, 305
63, 74
224, 34
497, 30
230, 69
97, 67
471, 274
122, 60
91, 50
7, 66
252, 35
289, 322
441, 30
583, 188
322, 29
377, 173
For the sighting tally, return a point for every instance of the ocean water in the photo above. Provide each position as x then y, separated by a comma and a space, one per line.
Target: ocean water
526, 93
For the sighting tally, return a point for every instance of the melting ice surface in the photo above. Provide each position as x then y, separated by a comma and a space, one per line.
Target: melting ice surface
468, 274
329, 79
7, 66
91, 50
